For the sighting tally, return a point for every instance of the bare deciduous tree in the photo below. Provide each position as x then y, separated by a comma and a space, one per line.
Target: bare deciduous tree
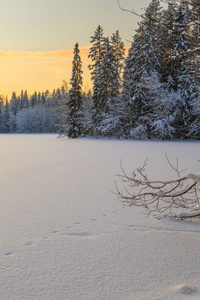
178, 198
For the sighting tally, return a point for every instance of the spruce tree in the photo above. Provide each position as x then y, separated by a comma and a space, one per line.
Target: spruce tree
75, 114
34, 99
194, 33
2, 119
119, 53
96, 56
109, 76
109, 121
144, 60
181, 46
167, 45
182, 74
146, 41
107, 60
7, 115
14, 104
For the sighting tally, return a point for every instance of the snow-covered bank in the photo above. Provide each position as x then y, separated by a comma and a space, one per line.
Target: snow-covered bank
64, 235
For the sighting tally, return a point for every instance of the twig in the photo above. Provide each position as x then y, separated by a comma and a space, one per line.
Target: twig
130, 11
161, 197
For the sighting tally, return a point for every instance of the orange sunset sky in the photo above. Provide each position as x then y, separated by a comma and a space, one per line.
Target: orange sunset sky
39, 70
38, 37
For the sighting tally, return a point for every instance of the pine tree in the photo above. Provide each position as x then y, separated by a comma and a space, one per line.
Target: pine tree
109, 115
181, 46
7, 115
2, 119
128, 85
75, 114
96, 55
34, 99
146, 42
194, 34
144, 60
119, 53
14, 104
109, 76
43, 99
39, 98
167, 45
178, 39
194, 65
107, 60
182, 74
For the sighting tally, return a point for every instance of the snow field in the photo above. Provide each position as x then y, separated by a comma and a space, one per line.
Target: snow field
64, 235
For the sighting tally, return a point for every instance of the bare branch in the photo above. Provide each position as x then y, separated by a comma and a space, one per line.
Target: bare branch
130, 11
178, 198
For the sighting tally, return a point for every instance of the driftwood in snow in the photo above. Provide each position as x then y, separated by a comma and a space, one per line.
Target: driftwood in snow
178, 198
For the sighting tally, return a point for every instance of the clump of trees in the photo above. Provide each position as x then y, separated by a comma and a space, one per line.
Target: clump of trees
28, 113
153, 93
160, 82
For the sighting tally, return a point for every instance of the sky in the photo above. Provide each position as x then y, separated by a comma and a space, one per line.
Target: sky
38, 37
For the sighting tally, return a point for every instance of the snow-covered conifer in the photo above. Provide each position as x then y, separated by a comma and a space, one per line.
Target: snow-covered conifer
143, 60
36, 119
96, 56
119, 53
146, 41
75, 113
14, 104
6, 115
34, 99
109, 88
2, 119
61, 113
106, 67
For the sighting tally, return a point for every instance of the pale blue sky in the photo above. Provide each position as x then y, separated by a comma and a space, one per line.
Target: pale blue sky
45, 25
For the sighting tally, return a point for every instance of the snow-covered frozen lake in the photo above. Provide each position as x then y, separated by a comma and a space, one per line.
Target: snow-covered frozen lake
64, 234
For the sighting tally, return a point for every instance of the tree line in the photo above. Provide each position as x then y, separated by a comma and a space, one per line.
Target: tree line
29, 113
152, 93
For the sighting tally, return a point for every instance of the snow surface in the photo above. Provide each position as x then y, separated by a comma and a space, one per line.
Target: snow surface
64, 234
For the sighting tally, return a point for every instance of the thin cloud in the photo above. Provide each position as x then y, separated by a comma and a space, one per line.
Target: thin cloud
84, 51
38, 70
56, 58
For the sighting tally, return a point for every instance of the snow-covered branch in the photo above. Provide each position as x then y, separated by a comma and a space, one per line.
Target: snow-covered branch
177, 198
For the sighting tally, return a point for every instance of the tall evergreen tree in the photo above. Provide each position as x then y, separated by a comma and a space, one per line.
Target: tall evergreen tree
96, 56
144, 60
75, 114
119, 53
167, 46
108, 76
107, 60
182, 74
146, 41
14, 104
110, 86
34, 99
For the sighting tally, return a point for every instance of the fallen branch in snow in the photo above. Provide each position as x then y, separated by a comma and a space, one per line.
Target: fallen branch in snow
178, 198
